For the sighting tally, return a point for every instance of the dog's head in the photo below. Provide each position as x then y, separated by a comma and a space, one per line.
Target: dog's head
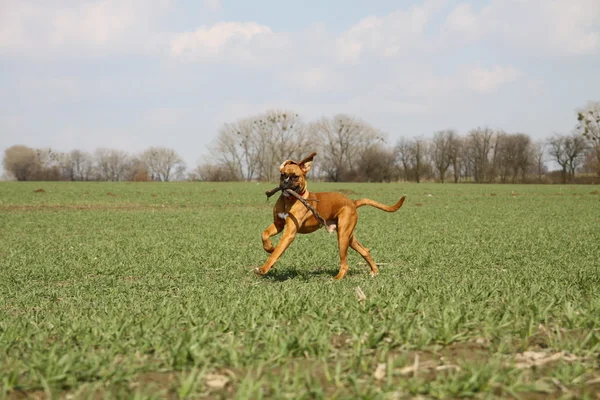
293, 174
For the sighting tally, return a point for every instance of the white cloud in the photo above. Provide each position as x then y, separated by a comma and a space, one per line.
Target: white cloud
489, 80
387, 36
232, 41
558, 27
463, 20
36, 28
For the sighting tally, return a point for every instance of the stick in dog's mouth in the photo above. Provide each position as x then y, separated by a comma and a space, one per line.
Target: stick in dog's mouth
269, 193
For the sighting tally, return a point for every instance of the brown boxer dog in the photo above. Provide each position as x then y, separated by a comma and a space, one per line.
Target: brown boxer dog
338, 210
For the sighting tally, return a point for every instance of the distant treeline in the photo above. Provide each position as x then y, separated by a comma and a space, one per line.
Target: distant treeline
157, 163
348, 148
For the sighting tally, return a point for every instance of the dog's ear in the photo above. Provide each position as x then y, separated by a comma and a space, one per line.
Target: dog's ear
306, 163
286, 162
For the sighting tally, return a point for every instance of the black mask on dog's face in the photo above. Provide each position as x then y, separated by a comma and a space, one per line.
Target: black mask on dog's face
290, 181
293, 174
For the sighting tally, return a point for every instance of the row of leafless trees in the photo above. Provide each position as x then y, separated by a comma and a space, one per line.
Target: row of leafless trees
156, 163
348, 148
352, 150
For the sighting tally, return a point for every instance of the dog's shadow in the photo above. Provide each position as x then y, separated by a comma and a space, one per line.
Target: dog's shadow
282, 275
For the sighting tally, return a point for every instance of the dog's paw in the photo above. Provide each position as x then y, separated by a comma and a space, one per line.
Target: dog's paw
258, 271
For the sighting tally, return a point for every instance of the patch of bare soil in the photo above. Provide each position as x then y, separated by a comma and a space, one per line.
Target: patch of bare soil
158, 381
595, 192
112, 194
419, 204
340, 341
477, 350
40, 190
347, 191
29, 395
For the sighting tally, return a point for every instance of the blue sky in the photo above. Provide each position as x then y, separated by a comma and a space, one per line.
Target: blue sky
129, 74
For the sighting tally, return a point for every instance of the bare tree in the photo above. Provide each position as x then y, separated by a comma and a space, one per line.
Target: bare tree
253, 148
455, 154
403, 156
589, 126
231, 149
112, 164
137, 170
377, 165
512, 156
20, 162
538, 157
163, 164
442, 150
523, 159
480, 143
343, 138
575, 148
82, 164
76, 165
414, 158
279, 135
417, 156
503, 156
236, 149
567, 151
558, 152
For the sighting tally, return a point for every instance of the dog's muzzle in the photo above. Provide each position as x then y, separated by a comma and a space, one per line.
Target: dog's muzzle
287, 185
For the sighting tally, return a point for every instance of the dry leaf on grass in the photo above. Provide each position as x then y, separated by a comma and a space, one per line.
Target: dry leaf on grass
216, 381
380, 372
559, 385
360, 294
593, 381
447, 366
530, 359
426, 365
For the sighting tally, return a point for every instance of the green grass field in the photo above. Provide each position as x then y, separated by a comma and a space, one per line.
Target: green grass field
145, 290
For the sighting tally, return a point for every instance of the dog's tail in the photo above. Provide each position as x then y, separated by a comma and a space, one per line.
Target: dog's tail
369, 202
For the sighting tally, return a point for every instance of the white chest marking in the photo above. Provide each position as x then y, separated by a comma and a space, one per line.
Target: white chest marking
282, 215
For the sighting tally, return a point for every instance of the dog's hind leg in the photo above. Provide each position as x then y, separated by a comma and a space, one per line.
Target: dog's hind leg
365, 253
272, 230
346, 224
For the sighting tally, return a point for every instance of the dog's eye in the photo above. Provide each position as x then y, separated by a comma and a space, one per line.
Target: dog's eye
295, 177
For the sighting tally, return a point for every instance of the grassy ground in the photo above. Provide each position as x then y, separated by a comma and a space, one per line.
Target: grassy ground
145, 289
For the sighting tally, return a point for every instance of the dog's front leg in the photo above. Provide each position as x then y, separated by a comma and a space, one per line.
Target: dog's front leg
272, 230
289, 234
